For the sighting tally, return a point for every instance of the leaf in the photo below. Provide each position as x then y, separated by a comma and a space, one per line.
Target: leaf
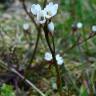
83, 91
6, 90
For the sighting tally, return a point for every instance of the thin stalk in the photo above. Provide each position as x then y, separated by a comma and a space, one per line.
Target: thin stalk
30, 15
44, 4
43, 43
80, 42
53, 42
59, 82
38, 30
57, 69
35, 49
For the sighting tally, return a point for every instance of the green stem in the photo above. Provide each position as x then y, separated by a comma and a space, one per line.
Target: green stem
34, 51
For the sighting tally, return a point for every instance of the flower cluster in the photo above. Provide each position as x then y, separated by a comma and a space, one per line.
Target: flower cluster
59, 59
43, 15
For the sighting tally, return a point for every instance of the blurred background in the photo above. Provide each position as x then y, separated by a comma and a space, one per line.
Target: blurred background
16, 47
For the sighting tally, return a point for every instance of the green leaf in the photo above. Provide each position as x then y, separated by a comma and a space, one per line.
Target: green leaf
7, 90
83, 91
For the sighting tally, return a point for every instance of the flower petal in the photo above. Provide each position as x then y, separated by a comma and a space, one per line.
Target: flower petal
51, 10
60, 62
54, 9
35, 9
41, 17
48, 56
59, 59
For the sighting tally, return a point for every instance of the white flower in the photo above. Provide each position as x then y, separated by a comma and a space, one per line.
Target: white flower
51, 10
51, 27
94, 28
59, 59
41, 17
48, 56
79, 25
35, 8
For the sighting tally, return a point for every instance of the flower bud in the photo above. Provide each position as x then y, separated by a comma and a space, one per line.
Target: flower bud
79, 25
94, 28
51, 27
26, 26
